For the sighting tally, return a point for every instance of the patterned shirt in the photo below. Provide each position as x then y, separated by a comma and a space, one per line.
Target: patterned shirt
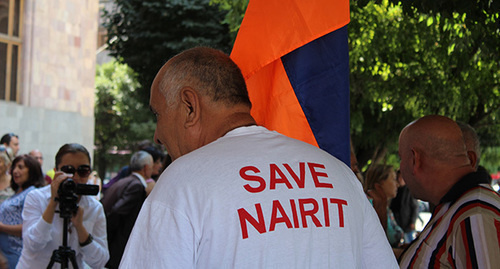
464, 231
10, 214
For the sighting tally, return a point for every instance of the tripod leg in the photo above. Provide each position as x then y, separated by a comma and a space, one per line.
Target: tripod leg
54, 258
73, 259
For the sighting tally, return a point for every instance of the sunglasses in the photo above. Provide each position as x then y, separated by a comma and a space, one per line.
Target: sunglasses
82, 170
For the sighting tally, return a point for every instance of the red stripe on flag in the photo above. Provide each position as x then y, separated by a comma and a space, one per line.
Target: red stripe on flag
278, 110
270, 30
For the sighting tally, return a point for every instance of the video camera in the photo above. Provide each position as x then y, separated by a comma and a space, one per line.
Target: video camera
68, 196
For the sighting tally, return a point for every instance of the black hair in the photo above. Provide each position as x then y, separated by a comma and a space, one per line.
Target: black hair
155, 153
7, 137
35, 175
70, 148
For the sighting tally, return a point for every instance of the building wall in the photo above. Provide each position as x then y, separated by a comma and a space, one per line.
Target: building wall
46, 129
57, 82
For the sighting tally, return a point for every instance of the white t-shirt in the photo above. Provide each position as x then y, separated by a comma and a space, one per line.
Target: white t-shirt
257, 199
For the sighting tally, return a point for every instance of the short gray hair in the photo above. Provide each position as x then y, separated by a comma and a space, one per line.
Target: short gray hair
471, 139
139, 160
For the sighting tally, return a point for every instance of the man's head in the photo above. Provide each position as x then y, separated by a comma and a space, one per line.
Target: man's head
141, 162
158, 157
471, 143
198, 96
11, 140
37, 155
433, 157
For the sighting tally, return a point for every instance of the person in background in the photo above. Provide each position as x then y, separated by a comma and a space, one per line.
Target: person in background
238, 195
381, 185
463, 230
43, 228
94, 179
354, 165
6, 190
26, 176
405, 209
472, 143
37, 155
122, 203
11, 140
158, 158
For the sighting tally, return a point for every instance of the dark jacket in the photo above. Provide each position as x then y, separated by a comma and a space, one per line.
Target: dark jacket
122, 203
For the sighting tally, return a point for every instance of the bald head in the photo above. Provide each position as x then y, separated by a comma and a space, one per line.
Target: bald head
433, 156
437, 137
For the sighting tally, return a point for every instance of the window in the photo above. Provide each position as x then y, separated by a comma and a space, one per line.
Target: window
10, 48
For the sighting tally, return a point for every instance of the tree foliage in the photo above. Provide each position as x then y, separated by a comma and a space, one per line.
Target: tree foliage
413, 58
405, 65
146, 33
407, 59
120, 119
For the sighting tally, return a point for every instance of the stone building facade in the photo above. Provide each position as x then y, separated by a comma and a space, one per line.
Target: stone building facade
53, 103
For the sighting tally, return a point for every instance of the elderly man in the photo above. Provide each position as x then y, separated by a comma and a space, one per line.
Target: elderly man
238, 195
472, 143
122, 203
465, 226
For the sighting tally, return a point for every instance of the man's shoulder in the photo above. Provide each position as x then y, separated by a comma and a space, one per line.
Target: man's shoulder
479, 200
126, 181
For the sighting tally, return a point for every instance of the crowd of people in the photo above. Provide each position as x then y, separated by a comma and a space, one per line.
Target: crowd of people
237, 195
37, 211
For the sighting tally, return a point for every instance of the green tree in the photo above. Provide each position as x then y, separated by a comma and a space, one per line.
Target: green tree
146, 33
407, 60
405, 65
120, 119
235, 12
422, 57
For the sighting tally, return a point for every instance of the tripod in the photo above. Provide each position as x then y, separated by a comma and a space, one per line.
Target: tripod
64, 252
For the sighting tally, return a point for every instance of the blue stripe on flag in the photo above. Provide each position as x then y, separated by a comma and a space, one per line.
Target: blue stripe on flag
319, 75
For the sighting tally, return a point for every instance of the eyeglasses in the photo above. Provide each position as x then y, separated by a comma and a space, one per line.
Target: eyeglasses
82, 170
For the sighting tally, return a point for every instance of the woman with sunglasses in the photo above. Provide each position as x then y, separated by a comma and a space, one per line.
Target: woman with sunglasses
43, 221
26, 176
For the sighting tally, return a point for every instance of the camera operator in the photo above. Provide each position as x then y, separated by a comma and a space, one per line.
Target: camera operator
43, 229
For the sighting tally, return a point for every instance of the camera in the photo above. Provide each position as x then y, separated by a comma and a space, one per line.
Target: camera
68, 196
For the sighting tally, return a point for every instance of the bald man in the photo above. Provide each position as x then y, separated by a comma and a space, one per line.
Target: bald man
238, 195
464, 230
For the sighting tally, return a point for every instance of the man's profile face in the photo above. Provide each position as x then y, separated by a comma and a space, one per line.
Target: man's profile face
169, 126
37, 155
14, 145
405, 166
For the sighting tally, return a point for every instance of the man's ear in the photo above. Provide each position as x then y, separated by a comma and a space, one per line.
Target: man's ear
472, 158
190, 100
416, 160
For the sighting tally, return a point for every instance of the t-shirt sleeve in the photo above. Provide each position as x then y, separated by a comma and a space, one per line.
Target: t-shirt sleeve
162, 238
377, 252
